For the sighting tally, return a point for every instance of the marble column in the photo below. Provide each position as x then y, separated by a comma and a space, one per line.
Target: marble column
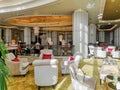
92, 33
54, 37
117, 37
101, 36
80, 32
8, 35
111, 37
27, 35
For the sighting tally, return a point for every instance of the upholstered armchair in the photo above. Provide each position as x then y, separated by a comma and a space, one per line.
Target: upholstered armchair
81, 81
66, 62
46, 52
99, 53
45, 72
110, 49
115, 54
20, 67
91, 49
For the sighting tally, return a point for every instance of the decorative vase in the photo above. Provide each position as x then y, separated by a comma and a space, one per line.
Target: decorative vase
115, 78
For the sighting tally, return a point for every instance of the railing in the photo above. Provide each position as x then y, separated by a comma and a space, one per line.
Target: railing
58, 50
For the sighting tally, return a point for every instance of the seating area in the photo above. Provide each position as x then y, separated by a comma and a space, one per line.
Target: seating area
17, 66
59, 73
59, 45
103, 52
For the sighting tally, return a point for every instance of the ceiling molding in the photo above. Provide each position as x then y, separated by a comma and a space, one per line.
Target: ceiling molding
25, 5
106, 27
41, 21
9, 27
66, 28
102, 6
109, 21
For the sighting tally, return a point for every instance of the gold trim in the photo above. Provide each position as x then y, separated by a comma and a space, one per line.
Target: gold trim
114, 26
41, 21
10, 27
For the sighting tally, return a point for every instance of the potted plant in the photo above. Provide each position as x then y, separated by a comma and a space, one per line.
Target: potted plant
4, 71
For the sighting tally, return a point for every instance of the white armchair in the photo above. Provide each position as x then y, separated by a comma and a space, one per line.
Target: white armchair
45, 72
99, 53
81, 81
66, 62
46, 51
110, 49
17, 68
91, 50
115, 54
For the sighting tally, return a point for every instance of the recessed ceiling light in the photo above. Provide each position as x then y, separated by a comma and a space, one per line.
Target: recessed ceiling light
90, 5
116, 10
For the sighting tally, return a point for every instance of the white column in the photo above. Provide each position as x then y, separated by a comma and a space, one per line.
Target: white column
80, 32
27, 35
0, 33
66, 39
92, 33
101, 36
115, 37
8, 35
54, 37
111, 37
119, 36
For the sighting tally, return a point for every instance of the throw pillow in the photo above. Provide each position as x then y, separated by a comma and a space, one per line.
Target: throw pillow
46, 56
110, 49
16, 59
71, 58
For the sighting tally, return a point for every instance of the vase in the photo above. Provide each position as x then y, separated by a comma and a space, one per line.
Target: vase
115, 78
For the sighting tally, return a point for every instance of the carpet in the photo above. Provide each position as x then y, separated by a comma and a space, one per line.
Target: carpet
90, 67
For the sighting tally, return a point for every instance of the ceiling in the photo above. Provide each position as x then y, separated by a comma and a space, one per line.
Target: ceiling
110, 10
59, 7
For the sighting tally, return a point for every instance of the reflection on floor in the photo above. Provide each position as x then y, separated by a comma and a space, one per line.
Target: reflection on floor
89, 66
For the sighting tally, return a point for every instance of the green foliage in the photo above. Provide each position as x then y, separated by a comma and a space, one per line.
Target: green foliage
4, 71
3, 50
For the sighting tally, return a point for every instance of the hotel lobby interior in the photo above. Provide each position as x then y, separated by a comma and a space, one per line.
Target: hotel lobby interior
60, 44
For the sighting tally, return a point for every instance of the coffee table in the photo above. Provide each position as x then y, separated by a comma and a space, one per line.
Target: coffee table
108, 67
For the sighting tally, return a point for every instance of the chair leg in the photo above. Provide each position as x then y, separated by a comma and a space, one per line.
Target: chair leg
38, 87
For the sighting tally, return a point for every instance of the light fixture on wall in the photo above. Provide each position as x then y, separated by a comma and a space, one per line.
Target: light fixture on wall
90, 4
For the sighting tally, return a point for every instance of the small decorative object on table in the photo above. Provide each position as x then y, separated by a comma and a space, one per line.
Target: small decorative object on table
115, 78
118, 86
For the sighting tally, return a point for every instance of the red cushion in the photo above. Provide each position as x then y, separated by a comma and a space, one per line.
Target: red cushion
16, 59
46, 56
71, 58
110, 49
